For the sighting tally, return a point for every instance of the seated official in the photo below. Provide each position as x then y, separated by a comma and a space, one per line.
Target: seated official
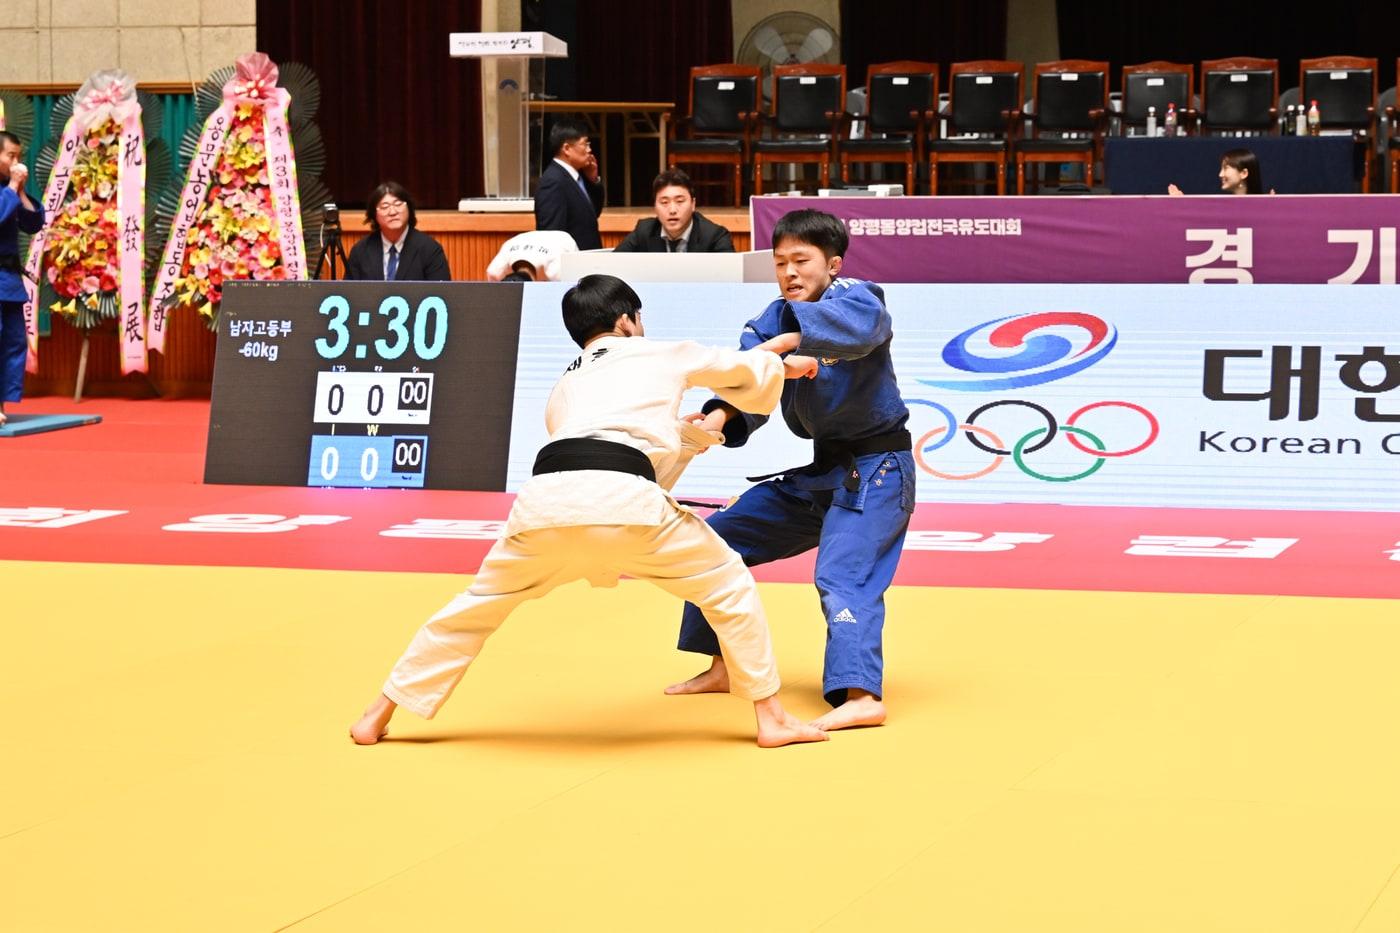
532, 256
677, 227
396, 251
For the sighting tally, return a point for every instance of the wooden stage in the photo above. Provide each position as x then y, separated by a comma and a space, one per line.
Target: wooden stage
186, 369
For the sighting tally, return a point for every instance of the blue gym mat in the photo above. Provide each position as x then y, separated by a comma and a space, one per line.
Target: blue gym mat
19, 425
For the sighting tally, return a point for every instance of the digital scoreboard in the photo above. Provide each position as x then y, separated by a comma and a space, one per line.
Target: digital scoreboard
364, 384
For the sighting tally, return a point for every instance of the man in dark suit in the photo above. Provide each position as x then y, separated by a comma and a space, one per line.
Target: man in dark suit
677, 227
396, 251
570, 196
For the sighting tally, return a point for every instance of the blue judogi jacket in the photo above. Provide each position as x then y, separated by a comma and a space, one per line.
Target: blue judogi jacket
854, 395
14, 217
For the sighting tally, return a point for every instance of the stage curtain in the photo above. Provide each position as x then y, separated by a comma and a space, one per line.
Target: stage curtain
641, 50
394, 104
942, 31
1194, 31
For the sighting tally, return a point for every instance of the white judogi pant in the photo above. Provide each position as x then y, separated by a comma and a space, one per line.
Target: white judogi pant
681, 555
596, 524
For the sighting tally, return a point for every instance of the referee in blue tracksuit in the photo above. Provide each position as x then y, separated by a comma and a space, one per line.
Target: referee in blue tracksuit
17, 213
853, 502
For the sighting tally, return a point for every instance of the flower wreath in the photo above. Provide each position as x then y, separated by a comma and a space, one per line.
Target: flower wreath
254, 160
88, 263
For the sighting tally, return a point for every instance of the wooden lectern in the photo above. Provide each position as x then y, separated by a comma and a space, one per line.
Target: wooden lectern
505, 120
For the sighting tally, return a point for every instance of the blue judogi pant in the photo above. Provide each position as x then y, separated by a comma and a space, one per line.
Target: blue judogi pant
14, 346
858, 536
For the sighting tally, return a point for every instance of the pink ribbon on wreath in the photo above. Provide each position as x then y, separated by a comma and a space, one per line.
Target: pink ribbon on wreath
254, 82
109, 94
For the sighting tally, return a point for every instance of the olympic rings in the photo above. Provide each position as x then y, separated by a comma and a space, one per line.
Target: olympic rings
951, 429
1044, 413
988, 441
920, 449
1153, 429
1020, 448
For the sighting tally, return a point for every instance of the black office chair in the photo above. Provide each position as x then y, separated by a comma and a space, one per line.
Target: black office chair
984, 108
1385, 140
902, 98
809, 104
1159, 85
723, 109
1345, 88
1239, 95
1070, 112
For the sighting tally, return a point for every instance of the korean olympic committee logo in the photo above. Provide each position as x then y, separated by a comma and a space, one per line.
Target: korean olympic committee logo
983, 351
1008, 353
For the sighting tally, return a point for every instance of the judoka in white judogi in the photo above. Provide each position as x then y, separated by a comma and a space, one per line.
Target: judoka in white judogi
591, 512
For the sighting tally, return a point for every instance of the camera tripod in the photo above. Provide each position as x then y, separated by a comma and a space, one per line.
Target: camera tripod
330, 244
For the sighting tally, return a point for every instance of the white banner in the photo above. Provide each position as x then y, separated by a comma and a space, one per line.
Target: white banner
1272, 397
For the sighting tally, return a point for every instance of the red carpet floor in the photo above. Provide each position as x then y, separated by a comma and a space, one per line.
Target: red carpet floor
130, 490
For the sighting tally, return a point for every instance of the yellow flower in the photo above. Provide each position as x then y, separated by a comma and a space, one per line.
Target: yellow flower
227, 226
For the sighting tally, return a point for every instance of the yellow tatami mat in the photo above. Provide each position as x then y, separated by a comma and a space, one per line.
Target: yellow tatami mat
177, 759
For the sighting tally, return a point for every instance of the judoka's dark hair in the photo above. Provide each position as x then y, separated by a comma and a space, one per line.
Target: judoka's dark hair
593, 306
565, 130
816, 228
399, 193
7, 137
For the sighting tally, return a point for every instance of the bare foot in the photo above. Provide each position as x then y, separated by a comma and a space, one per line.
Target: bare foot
777, 727
371, 727
860, 709
715, 680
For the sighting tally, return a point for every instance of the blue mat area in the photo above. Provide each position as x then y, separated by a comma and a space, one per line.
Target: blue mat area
19, 425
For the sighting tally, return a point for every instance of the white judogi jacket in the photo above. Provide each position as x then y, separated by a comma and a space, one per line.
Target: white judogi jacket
628, 390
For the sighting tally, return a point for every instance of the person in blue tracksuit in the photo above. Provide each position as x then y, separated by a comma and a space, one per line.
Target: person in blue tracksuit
17, 213
853, 502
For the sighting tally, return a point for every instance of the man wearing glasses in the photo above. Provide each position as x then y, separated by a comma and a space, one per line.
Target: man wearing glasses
396, 251
570, 196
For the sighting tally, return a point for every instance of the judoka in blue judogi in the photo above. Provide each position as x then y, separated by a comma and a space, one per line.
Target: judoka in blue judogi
17, 213
854, 501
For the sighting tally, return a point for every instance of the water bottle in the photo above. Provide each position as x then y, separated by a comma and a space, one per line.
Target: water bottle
1314, 120
1151, 121
1170, 121
1300, 123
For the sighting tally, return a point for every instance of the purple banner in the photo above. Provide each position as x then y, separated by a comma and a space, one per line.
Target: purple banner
1283, 239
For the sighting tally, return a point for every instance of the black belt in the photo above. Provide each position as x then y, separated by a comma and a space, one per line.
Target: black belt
10, 264
829, 454
589, 453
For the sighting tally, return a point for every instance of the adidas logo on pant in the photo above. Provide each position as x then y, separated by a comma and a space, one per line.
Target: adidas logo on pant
844, 616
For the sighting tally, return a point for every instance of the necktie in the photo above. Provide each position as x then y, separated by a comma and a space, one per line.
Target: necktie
670, 245
582, 187
393, 264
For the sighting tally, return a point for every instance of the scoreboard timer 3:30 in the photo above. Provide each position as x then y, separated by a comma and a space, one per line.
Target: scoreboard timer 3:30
364, 384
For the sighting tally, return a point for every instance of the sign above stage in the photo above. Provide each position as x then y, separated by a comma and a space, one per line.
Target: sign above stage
1280, 239
508, 44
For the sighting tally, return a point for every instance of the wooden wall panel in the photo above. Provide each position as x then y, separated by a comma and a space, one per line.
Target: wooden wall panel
186, 369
